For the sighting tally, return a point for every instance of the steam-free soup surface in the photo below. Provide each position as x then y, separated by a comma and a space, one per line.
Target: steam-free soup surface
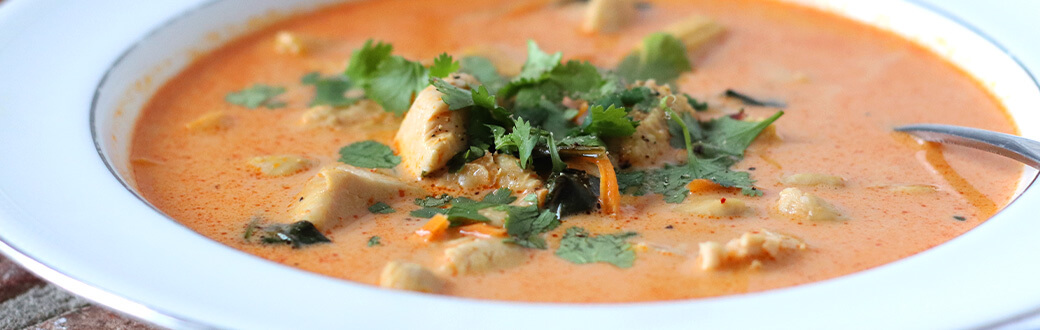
845, 86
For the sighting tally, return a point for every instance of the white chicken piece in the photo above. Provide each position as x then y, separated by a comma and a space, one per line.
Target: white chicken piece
279, 165
473, 256
408, 276
210, 122
813, 179
342, 192
751, 246
805, 206
608, 15
649, 146
714, 207
431, 133
695, 31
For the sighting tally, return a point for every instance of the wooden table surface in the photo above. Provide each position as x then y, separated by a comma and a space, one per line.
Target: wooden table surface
27, 302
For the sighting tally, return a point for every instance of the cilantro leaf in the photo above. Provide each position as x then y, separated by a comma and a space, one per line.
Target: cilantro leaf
662, 57
381, 208
455, 97
329, 90
365, 61
369, 154
526, 224
501, 196
374, 241
538, 62
579, 247
731, 136
582, 140
431, 201
520, 141
256, 96
695, 104
693, 130
427, 212
609, 122
395, 82
443, 65
632, 182
484, 70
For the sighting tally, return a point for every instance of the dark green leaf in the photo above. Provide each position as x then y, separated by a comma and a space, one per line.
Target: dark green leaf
256, 96
395, 82
484, 70
297, 234
381, 208
329, 90
526, 224
662, 57
443, 65
731, 136
427, 212
369, 154
578, 246
455, 97
365, 61
609, 122
432, 201
374, 241
747, 100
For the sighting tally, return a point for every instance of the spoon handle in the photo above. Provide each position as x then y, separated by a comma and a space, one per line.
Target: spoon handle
1015, 147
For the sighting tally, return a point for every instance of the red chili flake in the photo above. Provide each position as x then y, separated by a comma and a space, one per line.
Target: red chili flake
724, 200
739, 116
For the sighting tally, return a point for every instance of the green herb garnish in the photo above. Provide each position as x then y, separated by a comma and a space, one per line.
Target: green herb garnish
297, 234
381, 208
329, 90
579, 247
526, 224
258, 95
374, 241
369, 154
662, 57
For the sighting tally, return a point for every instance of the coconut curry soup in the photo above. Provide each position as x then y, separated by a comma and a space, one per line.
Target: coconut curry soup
571, 151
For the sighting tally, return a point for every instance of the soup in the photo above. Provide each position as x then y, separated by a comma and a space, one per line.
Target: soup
568, 151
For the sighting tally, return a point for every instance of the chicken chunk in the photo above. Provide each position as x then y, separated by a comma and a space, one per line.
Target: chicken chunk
279, 165
805, 206
364, 112
751, 246
210, 122
289, 43
496, 171
608, 15
473, 256
714, 207
649, 145
431, 133
813, 179
342, 192
408, 276
695, 32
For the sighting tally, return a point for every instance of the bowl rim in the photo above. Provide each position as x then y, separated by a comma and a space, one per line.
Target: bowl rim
163, 317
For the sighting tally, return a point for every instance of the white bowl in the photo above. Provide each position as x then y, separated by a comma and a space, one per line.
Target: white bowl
76, 73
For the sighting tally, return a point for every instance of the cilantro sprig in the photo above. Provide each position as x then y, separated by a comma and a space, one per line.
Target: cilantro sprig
369, 154
580, 247
392, 81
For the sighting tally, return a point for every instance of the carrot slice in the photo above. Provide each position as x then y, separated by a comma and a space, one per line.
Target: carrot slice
609, 193
435, 229
482, 230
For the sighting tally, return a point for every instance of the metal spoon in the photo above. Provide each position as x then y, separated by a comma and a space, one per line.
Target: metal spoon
1014, 147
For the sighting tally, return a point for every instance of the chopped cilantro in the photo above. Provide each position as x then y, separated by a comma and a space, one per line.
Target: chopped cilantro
258, 95
662, 57
369, 154
463, 210
538, 62
395, 83
432, 201
609, 122
484, 70
381, 208
329, 90
365, 61
526, 224
520, 141
579, 247
443, 65
731, 137
695, 104
456, 98
427, 212
373, 241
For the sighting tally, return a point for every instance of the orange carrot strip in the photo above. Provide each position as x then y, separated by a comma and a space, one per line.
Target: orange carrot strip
482, 230
435, 229
701, 185
609, 193
581, 112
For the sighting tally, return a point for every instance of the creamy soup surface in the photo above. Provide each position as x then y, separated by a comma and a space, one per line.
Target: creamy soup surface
844, 84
